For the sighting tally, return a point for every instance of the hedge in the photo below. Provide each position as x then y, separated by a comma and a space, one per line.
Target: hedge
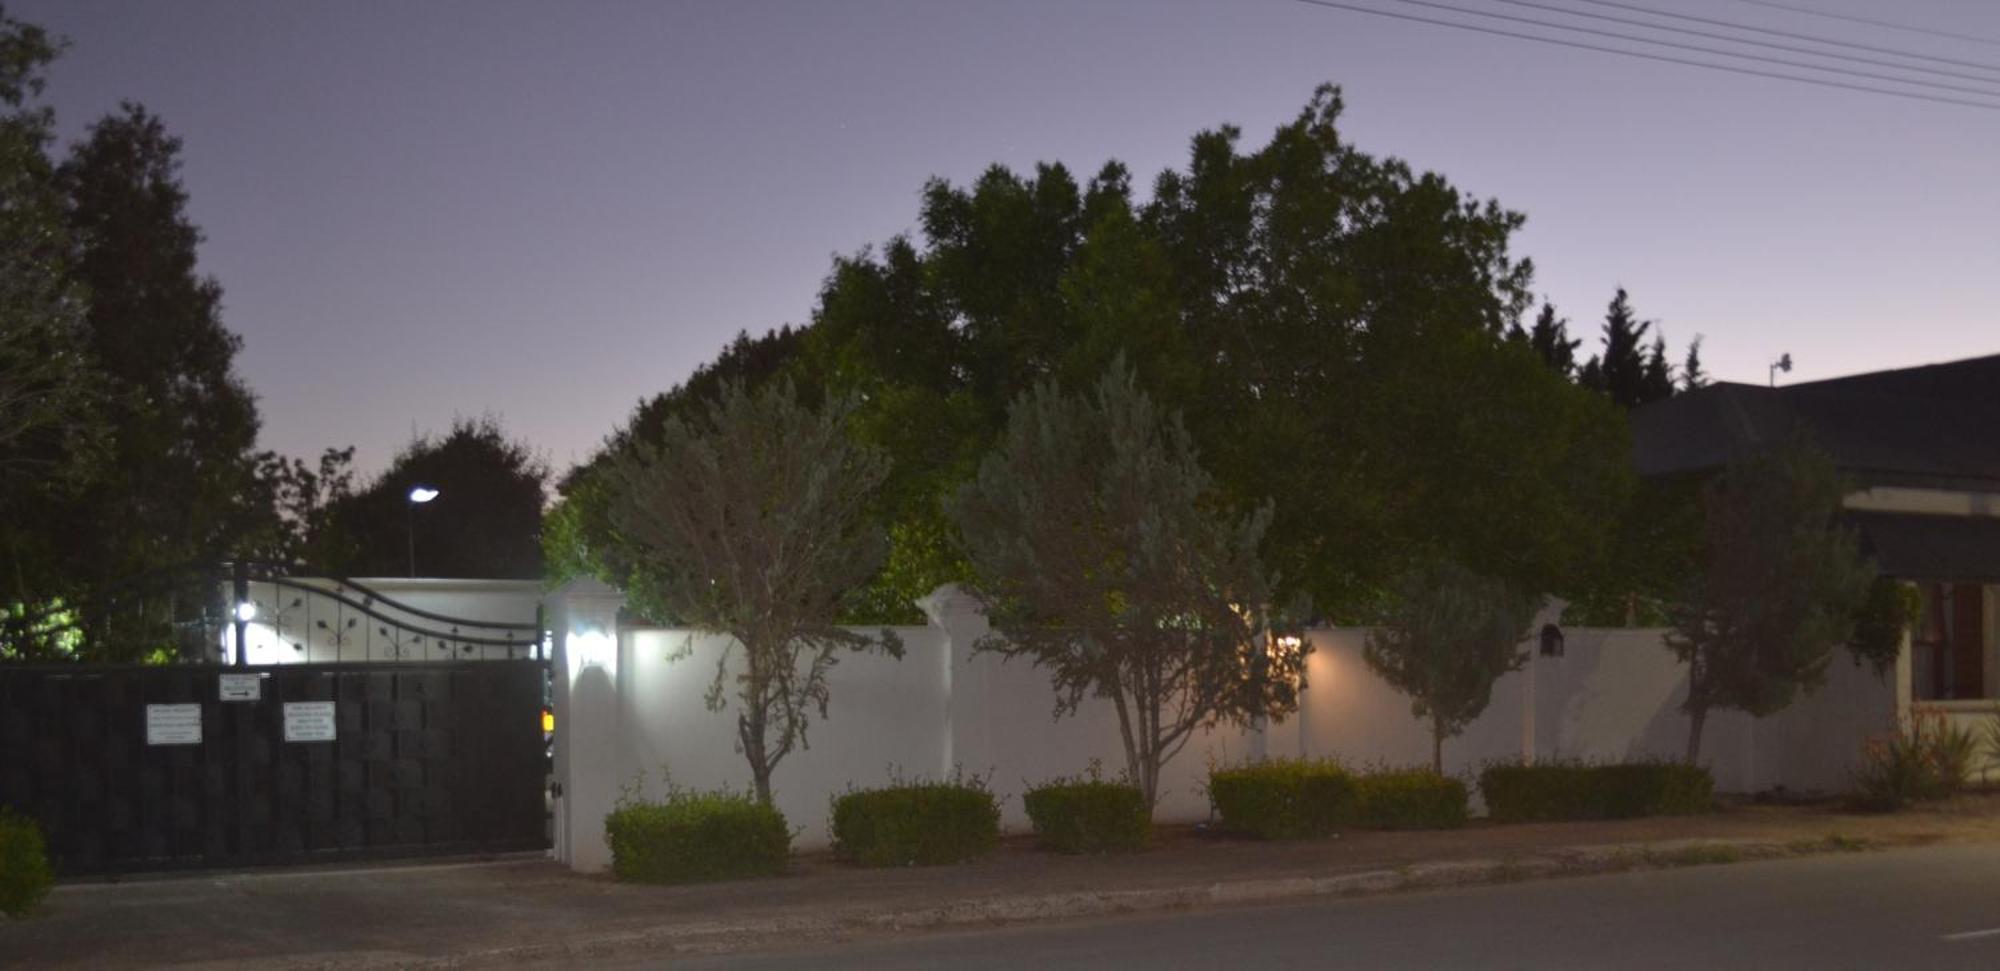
1409, 799
1283, 799
1575, 790
916, 823
690, 837
1089, 816
25, 876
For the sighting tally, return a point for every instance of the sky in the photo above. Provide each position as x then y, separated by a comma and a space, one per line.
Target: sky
548, 211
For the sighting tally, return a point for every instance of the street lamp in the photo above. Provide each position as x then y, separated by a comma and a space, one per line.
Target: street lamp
419, 494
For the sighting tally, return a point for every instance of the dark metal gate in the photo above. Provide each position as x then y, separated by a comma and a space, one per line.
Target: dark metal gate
310, 719
150, 767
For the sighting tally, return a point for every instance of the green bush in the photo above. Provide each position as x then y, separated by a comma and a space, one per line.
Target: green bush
1089, 816
1409, 799
1283, 799
25, 876
1576, 790
1927, 757
916, 823
690, 837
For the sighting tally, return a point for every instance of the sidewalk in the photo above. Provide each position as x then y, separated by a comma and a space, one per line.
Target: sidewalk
461, 914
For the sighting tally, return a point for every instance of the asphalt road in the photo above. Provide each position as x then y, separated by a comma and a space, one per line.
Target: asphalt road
1937, 907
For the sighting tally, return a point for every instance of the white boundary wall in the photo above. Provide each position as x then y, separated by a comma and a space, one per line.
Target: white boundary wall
624, 708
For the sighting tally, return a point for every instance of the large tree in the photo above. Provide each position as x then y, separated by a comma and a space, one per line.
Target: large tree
1448, 636
485, 521
1780, 585
1102, 555
1627, 370
1330, 323
748, 517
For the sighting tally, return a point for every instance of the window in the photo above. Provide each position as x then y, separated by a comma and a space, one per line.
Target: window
1950, 646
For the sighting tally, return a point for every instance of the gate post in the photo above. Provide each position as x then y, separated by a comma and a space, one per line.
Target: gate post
585, 671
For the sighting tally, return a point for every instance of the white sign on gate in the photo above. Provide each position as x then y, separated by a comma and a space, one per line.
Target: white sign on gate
173, 724
242, 687
309, 721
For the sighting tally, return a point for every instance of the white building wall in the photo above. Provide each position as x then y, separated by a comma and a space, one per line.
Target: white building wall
1613, 695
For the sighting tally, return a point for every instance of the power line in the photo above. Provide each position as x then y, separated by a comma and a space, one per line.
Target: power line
1786, 33
1855, 58
1663, 58
1697, 48
1911, 28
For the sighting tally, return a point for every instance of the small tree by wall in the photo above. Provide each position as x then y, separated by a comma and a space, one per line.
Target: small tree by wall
1781, 584
748, 518
1102, 557
1449, 635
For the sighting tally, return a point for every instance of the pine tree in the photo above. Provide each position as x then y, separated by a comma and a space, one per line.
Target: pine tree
1692, 374
1550, 340
1627, 371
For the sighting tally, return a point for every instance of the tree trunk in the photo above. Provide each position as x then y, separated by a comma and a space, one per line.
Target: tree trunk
750, 730
1696, 716
1437, 746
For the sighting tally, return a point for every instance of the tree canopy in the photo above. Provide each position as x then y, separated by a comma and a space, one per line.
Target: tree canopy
1101, 557
748, 517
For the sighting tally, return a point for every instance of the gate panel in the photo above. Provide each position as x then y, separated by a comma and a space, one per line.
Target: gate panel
426, 758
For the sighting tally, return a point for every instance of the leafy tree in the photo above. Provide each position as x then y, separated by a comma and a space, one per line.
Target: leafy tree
576, 531
1448, 637
748, 517
302, 501
51, 423
1315, 313
1781, 583
1101, 556
485, 522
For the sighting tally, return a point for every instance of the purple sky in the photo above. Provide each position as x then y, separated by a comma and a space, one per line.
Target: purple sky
547, 211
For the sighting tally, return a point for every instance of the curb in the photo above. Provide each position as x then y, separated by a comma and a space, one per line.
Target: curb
722, 937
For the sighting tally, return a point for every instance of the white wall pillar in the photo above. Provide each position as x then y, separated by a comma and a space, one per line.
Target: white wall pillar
583, 615
959, 615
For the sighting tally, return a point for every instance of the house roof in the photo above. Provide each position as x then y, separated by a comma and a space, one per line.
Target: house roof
1936, 426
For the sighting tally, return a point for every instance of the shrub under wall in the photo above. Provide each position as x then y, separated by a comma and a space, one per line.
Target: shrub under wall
1283, 799
696, 836
916, 823
25, 876
1089, 816
1409, 799
1575, 790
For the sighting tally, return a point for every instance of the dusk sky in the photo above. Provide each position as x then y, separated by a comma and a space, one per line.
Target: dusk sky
547, 211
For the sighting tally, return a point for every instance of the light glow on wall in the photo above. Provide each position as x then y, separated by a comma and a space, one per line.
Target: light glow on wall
592, 649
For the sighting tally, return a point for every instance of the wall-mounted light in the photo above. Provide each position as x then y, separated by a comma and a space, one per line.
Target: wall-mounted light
246, 611
1552, 641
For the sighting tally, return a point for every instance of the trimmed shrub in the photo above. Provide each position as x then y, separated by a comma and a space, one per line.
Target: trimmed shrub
1576, 790
25, 876
1283, 799
916, 823
1409, 799
1089, 816
690, 837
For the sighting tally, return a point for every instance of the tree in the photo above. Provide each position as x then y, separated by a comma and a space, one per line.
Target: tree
1781, 583
1101, 555
485, 522
1549, 340
1626, 371
1449, 636
51, 422
749, 518
1693, 375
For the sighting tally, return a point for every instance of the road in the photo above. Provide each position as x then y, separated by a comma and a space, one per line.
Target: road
1936, 907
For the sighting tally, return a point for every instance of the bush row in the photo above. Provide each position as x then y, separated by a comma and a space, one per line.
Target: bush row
1291, 799
694, 836
1576, 790
1301, 799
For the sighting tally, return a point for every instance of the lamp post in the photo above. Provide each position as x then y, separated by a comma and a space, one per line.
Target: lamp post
419, 494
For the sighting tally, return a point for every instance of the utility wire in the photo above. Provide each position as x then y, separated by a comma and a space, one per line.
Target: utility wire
1911, 28
1697, 48
1792, 34
1663, 58
1686, 31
